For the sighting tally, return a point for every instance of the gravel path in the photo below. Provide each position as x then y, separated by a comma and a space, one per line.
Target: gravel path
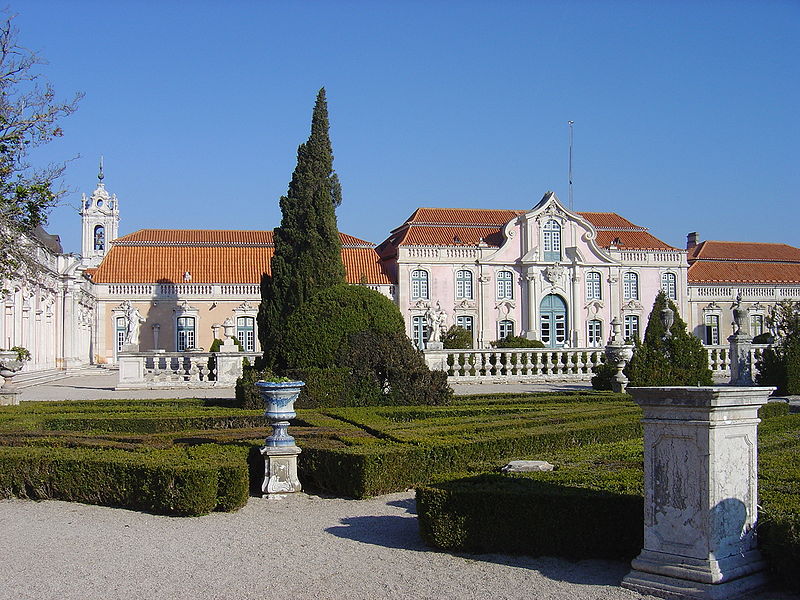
301, 547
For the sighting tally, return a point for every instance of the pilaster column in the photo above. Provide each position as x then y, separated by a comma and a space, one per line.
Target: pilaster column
530, 277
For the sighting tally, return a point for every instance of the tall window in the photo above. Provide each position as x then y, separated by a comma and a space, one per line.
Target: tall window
245, 333
505, 285
464, 285
121, 327
185, 338
551, 240
419, 331
712, 330
594, 333
669, 286
505, 329
756, 325
419, 285
593, 289
631, 327
464, 321
630, 286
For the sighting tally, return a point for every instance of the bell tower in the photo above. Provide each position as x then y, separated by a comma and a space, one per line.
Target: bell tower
100, 221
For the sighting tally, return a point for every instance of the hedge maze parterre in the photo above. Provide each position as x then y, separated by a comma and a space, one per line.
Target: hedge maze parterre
191, 457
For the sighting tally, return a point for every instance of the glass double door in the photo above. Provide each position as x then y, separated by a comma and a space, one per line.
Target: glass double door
553, 321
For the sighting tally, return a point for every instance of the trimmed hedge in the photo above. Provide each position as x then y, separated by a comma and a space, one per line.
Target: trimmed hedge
184, 483
599, 489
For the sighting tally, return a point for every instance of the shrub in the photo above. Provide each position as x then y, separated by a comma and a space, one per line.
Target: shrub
780, 363
318, 332
517, 341
457, 338
661, 360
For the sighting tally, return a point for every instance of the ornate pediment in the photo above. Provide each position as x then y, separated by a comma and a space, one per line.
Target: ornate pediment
633, 305
505, 306
554, 273
594, 306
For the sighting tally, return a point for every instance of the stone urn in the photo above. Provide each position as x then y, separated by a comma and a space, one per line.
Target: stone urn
10, 365
279, 398
619, 355
279, 451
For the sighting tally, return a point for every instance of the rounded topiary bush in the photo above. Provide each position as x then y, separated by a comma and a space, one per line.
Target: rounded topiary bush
457, 338
517, 341
318, 332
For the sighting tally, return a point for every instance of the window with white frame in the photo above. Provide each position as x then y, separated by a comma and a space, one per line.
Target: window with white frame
669, 285
419, 285
465, 321
551, 240
185, 334
505, 328
246, 333
120, 330
593, 286
631, 327
505, 285
464, 285
630, 286
756, 325
419, 331
594, 333
712, 330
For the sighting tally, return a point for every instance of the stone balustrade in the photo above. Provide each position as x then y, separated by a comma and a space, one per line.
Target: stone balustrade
516, 364
155, 369
719, 358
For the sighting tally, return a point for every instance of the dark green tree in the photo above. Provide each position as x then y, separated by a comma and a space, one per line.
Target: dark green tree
308, 251
779, 364
29, 117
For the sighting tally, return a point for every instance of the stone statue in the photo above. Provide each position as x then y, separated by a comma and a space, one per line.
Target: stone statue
741, 318
436, 323
134, 320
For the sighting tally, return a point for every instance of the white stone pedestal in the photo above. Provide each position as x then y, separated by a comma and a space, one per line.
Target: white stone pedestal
9, 396
280, 470
700, 492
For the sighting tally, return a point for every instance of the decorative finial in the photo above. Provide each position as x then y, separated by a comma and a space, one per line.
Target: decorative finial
100, 175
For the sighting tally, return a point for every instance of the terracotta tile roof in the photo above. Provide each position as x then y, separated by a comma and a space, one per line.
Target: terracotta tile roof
153, 255
463, 216
711, 271
438, 227
609, 220
750, 251
215, 237
634, 240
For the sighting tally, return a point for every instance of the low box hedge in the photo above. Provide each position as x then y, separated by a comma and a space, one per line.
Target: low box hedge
184, 482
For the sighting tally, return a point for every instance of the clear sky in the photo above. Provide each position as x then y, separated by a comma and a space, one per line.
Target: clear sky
687, 113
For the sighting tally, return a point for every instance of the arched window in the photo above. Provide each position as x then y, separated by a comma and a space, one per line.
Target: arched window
505, 285
464, 285
419, 285
551, 240
505, 329
593, 288
594, 333
631, 327
712, 330
630, 286
245, 333
99, 237
185, 334
669, 286
465, 321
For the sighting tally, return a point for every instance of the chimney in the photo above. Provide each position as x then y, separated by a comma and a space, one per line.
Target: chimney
692, 240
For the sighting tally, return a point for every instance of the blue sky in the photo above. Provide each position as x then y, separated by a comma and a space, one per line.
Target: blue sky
686, 112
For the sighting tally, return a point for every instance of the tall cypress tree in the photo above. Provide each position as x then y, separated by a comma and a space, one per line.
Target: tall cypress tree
308, 252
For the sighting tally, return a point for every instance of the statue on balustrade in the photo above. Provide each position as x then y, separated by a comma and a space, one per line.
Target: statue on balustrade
134, 320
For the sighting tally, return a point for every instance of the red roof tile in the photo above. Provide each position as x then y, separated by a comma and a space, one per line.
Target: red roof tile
153, 255
750, 251
636, 240
463, 216
609, 220
708, 271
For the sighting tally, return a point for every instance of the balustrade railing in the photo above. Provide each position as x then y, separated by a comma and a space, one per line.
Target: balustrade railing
517, 364
149, 370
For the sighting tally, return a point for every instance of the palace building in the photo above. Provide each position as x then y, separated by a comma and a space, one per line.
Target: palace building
546, 273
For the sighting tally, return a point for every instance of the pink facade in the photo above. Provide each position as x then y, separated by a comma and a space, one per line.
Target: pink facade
546, 274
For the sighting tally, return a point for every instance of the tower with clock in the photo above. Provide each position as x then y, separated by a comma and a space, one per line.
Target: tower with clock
100, 221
